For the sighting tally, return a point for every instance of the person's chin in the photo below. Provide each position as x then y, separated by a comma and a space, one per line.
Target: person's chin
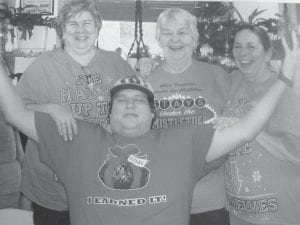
129, 122
83, 47
130, 129
178, 56
246, 68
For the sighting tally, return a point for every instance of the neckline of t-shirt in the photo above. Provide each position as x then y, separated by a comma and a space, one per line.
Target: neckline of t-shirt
180, 72
92, 61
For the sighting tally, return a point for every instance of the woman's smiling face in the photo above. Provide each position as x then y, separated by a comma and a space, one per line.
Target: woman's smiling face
80, 33
249, 53
176, 40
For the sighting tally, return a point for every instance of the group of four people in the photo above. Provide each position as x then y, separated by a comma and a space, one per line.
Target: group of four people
129, 173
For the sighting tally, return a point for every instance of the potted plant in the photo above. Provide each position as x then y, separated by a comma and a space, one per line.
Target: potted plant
25, 18
23, 23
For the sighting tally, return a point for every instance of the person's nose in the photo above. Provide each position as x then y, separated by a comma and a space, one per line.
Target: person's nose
174, 38
243, 51
80, 28
130, 103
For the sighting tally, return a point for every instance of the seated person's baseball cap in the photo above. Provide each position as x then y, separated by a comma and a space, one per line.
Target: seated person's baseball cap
136, 83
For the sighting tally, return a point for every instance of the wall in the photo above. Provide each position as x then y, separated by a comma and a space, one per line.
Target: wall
112, 35
246, 8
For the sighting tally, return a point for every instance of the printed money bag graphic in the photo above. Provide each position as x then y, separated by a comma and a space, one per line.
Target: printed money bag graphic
124, 169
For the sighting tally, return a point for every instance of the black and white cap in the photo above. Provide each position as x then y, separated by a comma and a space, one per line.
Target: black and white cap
133, 82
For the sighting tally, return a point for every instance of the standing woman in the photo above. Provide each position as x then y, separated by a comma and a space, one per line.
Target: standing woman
263, 176
190, 93
77, 76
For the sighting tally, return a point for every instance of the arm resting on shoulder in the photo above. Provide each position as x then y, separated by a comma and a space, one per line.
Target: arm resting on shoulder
64, 119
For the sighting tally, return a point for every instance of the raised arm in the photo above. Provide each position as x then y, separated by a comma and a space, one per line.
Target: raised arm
249, 126
296, 87
13, 107
64, 119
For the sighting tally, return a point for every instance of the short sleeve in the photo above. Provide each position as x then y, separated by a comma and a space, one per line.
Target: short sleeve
124, 68
7, 142
201, 140
33, 83
223, 81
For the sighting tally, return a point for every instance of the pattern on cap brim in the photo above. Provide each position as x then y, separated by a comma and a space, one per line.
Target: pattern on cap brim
133, 82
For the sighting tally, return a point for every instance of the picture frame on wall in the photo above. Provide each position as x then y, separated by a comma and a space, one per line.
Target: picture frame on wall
45, 7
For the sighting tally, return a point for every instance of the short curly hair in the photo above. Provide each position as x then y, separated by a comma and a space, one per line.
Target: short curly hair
177, 14
71, 8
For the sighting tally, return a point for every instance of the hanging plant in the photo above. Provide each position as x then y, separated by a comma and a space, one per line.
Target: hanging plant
270, 25
25, 19
4, 11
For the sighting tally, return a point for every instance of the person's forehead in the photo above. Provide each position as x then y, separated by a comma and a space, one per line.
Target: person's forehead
247, 36
80, 16
175, 23
130, 93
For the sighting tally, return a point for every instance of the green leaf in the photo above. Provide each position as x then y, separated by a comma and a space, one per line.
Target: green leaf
254, 14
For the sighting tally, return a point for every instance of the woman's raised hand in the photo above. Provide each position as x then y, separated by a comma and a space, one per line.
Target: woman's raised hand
291, 60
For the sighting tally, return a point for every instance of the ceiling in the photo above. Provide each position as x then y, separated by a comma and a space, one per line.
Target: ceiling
124, 10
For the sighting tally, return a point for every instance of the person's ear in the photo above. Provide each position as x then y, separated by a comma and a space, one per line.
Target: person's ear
159, 43
269, 54
99, 25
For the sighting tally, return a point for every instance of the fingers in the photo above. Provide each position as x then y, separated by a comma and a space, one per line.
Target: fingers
59, 128
146, 66
145, 70
73, 126
294, 40
70, 128
290, 62
219, 124
64, 119
66, 129
284, 44
224, 122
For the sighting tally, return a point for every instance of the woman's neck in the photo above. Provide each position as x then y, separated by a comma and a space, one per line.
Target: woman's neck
263, 74
176, 67
83, 59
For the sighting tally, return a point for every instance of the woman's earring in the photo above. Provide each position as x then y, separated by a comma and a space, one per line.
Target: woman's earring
62, 43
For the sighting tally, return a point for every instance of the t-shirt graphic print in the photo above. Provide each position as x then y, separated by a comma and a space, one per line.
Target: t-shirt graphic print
124, 168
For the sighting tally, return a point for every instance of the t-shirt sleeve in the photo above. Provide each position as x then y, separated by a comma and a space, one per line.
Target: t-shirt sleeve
124, 68
7, 142
53, 149
223, 82
33, 85
235, 78
201, 140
